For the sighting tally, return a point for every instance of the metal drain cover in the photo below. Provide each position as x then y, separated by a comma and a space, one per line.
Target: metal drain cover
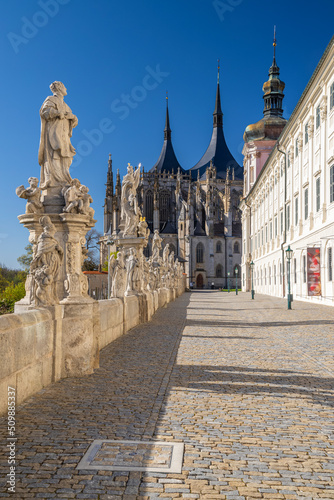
151, 456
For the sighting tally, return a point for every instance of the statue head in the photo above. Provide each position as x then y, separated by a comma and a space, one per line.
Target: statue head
58, 88
130, 169
84, 189
33, 181
75, 182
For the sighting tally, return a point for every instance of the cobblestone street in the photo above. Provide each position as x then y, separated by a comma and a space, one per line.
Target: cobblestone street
245, 384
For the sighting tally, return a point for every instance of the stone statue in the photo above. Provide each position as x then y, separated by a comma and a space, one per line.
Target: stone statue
73, 197
156, 246
130, 212
165, 255
143, 229
33, 195
112, 265
55, 150
45, 264
86, 201
118, 284
130, 265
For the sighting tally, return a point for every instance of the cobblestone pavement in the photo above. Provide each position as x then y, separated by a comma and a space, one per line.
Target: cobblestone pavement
246, 384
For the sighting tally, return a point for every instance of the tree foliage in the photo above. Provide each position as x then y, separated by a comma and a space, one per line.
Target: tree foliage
25, 259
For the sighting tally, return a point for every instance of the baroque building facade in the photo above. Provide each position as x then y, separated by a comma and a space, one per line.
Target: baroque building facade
289, 191
195, 211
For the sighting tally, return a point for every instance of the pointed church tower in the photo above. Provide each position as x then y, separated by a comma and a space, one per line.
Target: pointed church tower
108, 201
167, 160
217, 151
260, 138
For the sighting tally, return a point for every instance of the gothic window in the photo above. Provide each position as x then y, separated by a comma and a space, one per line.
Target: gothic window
199, 253
219, 271
149, 206
236, 247
219, 247
165, 206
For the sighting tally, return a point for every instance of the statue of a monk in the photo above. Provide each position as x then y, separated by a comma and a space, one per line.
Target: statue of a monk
55, 150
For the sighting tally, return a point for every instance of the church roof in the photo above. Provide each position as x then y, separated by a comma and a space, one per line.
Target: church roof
217, 150
167, 159
199, 231
169, 228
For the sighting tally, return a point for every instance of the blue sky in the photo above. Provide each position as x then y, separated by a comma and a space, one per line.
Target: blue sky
105, 51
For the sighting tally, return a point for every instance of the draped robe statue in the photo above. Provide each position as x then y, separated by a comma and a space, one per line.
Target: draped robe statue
55, 150
130, 212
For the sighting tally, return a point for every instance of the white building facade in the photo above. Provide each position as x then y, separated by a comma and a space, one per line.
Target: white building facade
290, 202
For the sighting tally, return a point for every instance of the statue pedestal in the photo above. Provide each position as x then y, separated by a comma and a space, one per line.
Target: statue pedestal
135, 244
70, 283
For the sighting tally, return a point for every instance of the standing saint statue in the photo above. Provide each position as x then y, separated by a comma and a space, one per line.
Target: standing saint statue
130, 212
55, 150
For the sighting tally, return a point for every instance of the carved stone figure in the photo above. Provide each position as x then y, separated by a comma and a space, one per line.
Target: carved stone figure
131, 263
56, 151
165, 255
73, 197
112, 265
130, 212
143, 229
118, 281
33, 195
156, 246
45, 264
86, 209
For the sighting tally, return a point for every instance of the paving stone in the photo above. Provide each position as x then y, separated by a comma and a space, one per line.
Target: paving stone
246, 384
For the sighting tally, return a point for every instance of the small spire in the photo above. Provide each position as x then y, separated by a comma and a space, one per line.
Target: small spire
167, 131
217, 114
109, 156
218, 71
274, 43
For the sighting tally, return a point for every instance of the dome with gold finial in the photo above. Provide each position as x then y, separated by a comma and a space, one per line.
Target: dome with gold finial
272, 123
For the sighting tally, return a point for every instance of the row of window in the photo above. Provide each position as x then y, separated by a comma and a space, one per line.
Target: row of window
317, 119
200, 250
261, 277
259, 237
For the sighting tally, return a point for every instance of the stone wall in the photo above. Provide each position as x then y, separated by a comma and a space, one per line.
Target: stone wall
41, 346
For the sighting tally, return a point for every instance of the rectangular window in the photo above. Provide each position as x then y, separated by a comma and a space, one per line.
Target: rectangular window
331, 102
306, 204
296, 211
304, 268
266, 234
288, 217
289, 159
330, 264
251, 245
306, 134
317, 117
296, 148
262, 235
282, 222
331, 184
276, 230
295, 269
271, 230
317, 191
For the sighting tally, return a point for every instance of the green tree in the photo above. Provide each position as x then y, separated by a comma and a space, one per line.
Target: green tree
25, 259
10, 295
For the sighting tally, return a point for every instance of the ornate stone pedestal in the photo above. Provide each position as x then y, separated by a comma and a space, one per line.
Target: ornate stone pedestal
70, 283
